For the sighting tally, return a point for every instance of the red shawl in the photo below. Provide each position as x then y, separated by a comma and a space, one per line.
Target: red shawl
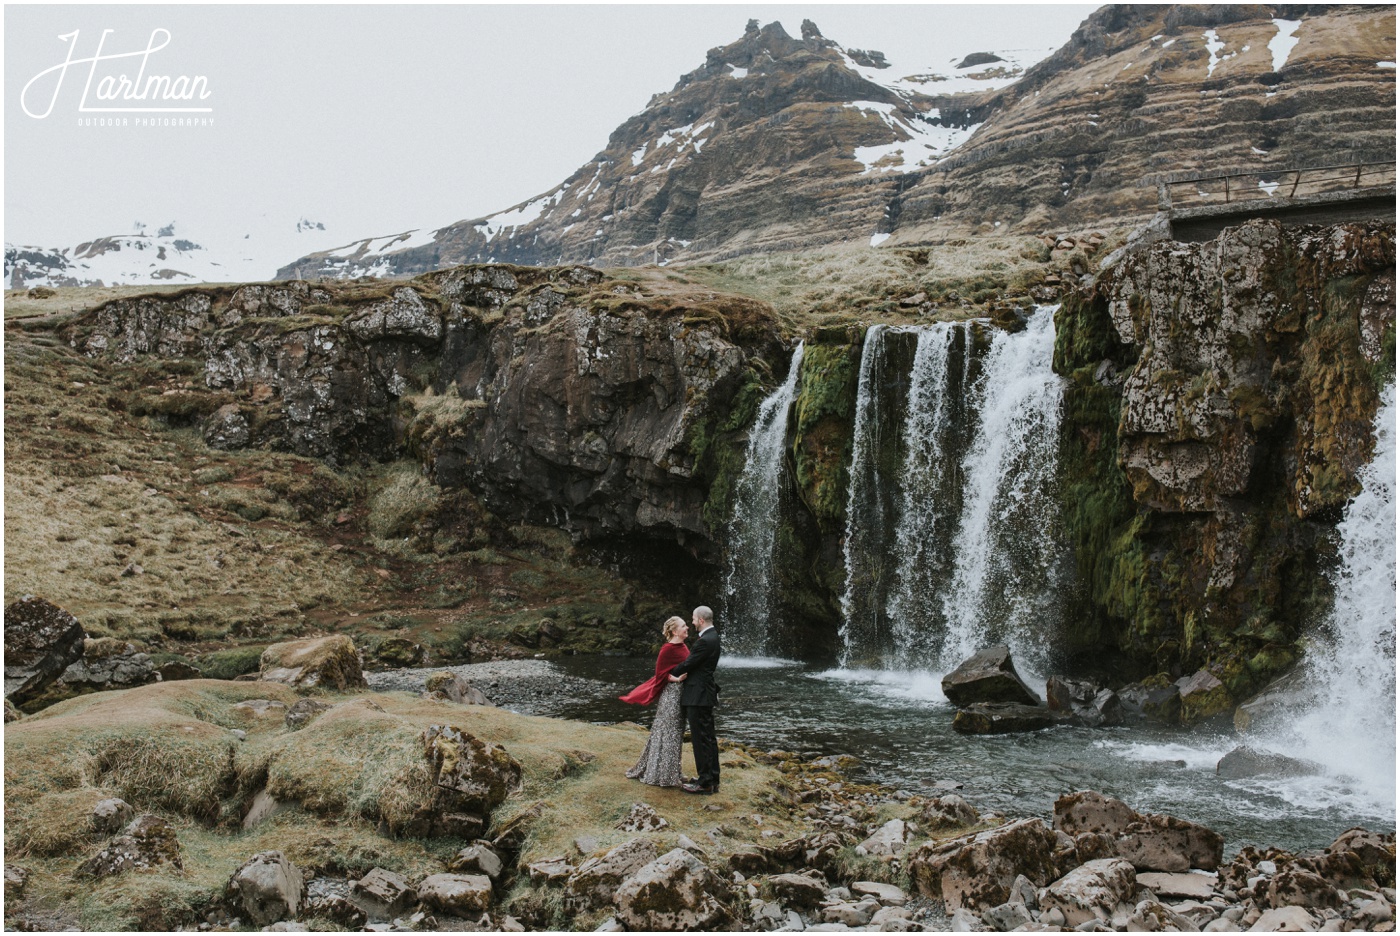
670, 655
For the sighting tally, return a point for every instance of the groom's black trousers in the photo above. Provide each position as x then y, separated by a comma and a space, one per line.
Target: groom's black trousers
701, 719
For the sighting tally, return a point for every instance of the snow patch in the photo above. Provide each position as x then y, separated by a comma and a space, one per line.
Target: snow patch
736, 72
1385, 64
877, 239
637, 156
1283, 43
926, 142
1268, 188
1214, 45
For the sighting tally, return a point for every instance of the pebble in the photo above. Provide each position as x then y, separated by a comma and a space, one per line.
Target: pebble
525, 686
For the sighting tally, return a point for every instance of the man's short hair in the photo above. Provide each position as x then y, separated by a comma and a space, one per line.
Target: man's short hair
705, 614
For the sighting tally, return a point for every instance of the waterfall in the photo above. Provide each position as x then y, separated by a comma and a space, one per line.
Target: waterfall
1348, 724
950, 539
748, 581
862, 606
1007, 556
928, 494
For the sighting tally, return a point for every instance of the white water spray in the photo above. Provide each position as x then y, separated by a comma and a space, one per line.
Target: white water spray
1348, 725
748, 583
1007, 556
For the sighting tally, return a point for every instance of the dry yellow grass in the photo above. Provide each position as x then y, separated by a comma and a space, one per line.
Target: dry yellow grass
167, 748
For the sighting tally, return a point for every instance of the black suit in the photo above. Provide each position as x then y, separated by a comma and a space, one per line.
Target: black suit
699, 695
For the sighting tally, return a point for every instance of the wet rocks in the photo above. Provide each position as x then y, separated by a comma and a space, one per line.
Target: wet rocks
325, 662
147, 842
1245, 761
985, 718
1091, 705
268, 888
988, 676
41, 641
673, 893
977, 871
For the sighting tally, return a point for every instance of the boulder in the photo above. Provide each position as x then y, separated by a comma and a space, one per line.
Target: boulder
316, 662
1374, 854
1278, 700
554, 870
478, 773
985, 718
1150, 916
175, 670
988, 676
227, 428
887, 894
851, 914
263, 807
888, 841
1202, 696
109, 664
642, 818
110, 815
383, 894
399, 651
1004, 918
1297, 887
800, 891
267, 888
1193, 885
1156, 699
510, 836
1094, 891
458, 895
1062, 694
894, 920
479, 858
15, 879
596, 880
949, 811
147, 842
41, 641
1245, 761
977, 871
450, 687
1150, 842
1284, 920
303, 711
673, 893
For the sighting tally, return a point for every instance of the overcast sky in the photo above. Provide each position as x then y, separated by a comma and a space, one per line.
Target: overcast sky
373, 120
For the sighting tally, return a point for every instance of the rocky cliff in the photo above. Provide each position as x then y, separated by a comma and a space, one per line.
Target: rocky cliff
778, 143
1219, 407
607, 408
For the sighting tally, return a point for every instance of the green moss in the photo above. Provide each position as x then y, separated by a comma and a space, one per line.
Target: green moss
822, 437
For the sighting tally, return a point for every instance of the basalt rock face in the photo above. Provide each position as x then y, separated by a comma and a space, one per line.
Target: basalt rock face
778, 143
1219, 406
610, 409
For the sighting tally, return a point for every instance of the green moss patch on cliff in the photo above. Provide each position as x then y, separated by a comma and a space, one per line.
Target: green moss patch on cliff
821, 437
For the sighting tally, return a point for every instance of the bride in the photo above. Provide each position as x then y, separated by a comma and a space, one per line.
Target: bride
660, 763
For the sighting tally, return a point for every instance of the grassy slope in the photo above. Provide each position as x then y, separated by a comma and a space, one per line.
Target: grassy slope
167, 748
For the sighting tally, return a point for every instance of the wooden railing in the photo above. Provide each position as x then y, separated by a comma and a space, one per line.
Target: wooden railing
1223, 189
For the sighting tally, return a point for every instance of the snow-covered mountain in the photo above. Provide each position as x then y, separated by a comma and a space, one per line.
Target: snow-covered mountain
165, 254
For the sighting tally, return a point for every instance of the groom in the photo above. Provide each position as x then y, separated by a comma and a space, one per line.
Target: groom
698, 698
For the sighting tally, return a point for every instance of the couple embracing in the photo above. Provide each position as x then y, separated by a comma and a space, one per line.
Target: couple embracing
685, 691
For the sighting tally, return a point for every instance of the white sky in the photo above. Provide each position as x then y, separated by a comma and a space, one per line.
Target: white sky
373, 119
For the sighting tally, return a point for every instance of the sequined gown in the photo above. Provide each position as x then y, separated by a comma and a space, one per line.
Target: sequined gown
660, 763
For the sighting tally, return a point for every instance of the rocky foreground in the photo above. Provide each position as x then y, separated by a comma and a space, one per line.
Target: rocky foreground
299, 800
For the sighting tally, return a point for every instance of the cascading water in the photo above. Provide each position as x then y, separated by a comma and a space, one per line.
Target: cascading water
928, 502
748, 603
1347, 721
951, 546
862, 605
1007, 556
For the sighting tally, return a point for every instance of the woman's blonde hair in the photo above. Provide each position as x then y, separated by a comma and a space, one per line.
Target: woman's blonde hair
669, 628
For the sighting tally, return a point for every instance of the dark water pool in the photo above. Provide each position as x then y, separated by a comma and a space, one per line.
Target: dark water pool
900, 726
